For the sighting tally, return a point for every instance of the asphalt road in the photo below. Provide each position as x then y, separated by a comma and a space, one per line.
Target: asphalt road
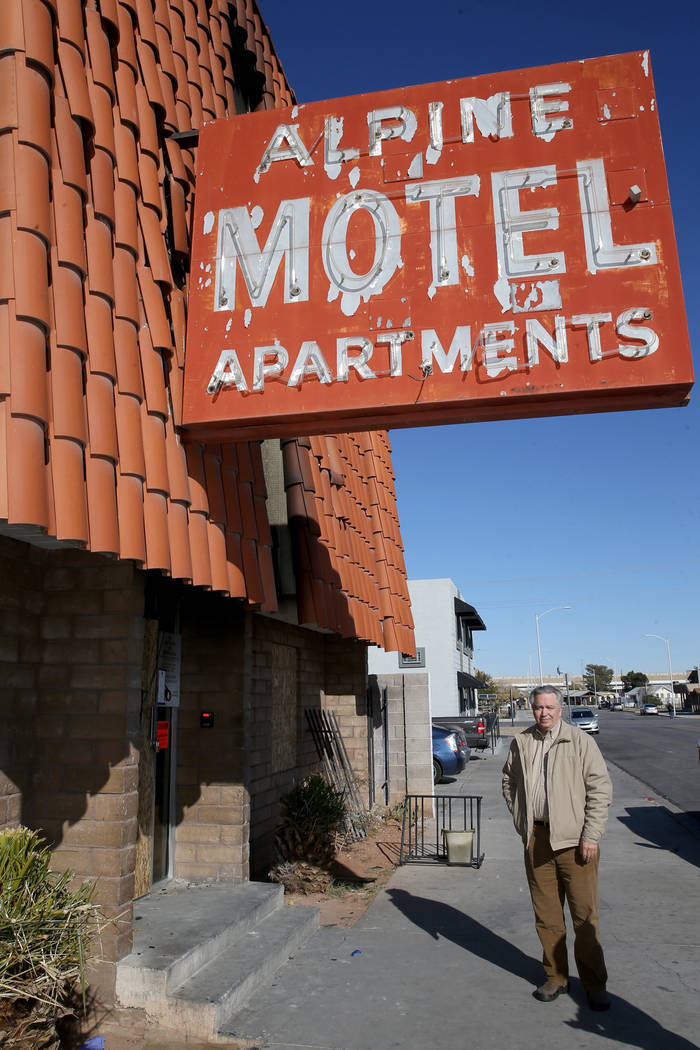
662, 752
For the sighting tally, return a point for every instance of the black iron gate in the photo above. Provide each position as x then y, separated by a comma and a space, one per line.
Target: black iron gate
426, 818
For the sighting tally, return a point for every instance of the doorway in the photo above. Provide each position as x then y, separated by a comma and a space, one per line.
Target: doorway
155, 842
164, 792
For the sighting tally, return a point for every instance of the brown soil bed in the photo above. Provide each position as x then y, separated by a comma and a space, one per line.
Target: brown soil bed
359, 871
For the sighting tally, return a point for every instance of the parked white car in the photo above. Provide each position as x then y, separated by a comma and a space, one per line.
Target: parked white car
585, 719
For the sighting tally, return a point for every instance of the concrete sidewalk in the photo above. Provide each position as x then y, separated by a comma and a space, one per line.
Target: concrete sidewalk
449, 956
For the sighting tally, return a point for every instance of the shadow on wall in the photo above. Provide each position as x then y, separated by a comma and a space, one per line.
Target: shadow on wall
75, 706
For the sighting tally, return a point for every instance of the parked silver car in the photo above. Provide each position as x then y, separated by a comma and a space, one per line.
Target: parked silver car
585, 719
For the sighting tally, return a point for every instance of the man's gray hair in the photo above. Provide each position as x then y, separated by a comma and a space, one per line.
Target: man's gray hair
541, 689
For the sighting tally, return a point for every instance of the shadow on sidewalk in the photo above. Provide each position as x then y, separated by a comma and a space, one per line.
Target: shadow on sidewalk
443, 920
628, 1025
661, 830
625, 1023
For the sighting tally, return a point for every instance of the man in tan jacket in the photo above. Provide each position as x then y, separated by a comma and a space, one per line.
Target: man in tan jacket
557, 789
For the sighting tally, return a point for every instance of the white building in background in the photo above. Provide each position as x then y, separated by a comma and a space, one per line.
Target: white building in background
444, 631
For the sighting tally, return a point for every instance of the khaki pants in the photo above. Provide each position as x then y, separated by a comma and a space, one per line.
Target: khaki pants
553, 878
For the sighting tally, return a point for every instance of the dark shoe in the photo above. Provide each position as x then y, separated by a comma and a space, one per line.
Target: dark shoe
548, 992
598, 1000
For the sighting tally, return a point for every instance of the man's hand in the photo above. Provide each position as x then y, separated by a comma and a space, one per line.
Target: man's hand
589, 851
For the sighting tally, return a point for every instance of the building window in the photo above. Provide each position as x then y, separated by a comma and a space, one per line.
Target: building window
413, 661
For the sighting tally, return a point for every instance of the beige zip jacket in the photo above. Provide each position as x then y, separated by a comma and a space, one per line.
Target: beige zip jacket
579, 790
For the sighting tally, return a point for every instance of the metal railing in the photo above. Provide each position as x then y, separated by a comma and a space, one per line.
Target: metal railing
422, 836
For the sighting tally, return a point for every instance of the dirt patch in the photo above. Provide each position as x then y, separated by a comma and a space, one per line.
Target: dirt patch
359, 871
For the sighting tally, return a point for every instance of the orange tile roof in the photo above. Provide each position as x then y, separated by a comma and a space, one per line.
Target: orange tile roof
96, 199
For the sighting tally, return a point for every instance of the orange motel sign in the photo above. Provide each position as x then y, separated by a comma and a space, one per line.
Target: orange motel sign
495, 247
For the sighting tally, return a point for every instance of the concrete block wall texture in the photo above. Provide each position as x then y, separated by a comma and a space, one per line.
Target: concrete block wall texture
20, 608
408, 737
324, 671
71, 627
212, 804
284, 674
345, 694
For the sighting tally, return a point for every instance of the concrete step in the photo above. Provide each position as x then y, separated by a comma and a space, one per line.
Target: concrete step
200, 951
178, 929
207, 1003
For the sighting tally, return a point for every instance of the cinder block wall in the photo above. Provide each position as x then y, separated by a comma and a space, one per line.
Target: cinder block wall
345, 693
289, 669
21, 570
71, 640
213, 808
409, 740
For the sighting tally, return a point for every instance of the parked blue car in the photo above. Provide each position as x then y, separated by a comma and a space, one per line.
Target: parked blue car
448, 758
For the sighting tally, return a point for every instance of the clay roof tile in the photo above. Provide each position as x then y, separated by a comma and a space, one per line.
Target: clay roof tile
12, 26
178, 484
214, 482
125, 148
199, 549
129, 438
71, 63
102, 185
110, 19
125, 217
29, 258
69, 500
155, 310
99, 52
155, 519
149, 182
197, 477
28, 370
174, 69
236, 579
267, 576
151, 85
178, 217
153, 431
216, 536
102, 330
146, 22
27, 480
125, 80
132, 540
98, 241
178, 532
126, 287
148, 129
101, 489
68, 310
164, 51
70, 24
153, 375
128, 364
68, 408
170, 118
251, 571
154, 243
102, 430
31, 177
7, 322
126, 45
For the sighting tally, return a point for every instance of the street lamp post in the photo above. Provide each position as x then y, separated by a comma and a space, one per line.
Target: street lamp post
538, 617
670, 672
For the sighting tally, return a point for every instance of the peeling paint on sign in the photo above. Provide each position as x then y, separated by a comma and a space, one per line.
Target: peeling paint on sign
519, 223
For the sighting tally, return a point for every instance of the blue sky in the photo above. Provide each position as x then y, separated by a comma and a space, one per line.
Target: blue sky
599, 512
